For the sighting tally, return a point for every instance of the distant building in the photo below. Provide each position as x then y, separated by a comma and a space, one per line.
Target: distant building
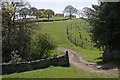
59, 14
73, 15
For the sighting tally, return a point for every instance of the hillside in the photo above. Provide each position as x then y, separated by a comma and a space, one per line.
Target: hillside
57, 30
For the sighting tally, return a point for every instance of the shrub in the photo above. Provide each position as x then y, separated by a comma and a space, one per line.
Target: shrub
15, 57
41, 44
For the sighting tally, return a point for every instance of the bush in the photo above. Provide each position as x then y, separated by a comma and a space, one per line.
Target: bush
41, 44
15, 57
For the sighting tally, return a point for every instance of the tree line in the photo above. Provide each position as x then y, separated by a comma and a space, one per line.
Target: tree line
106, 32
20, 42
46, 13
15, 38
38, 13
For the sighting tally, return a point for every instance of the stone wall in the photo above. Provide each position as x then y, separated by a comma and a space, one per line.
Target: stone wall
37, 64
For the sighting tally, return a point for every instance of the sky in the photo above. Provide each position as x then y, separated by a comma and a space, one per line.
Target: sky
58, 5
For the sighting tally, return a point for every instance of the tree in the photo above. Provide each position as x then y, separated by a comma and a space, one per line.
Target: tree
15, 37
41, 44
87, 12
24, 12
42, 13
70, 9
39, 14
49, 13
105, 21
34, 12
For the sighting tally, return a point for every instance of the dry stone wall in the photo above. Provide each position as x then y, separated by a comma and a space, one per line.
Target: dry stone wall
37, 64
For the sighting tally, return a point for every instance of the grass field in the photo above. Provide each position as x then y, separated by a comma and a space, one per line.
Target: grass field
51, 18
58, 72
57, 30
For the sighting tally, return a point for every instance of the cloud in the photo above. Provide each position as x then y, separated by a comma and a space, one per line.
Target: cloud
109, 0
62, 1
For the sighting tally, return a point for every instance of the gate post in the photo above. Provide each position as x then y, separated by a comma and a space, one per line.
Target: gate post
67, 58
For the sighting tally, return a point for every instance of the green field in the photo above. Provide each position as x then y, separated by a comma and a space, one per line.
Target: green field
51, 18
57, 30
58, 72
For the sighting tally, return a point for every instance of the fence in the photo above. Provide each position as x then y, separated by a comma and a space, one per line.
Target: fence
75, 35
37, 64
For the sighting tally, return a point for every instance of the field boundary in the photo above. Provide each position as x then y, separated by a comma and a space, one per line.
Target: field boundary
37, 64
32, 21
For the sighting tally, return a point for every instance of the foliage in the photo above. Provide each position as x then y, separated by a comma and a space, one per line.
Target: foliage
15, 57
34, 12
42, 13
80, 35
87, 12
24, 12
16, 33
49, 13
41, 45
105, 21
70, 9
15, 37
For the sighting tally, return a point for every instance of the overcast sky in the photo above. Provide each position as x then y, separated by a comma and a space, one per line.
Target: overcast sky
59, 5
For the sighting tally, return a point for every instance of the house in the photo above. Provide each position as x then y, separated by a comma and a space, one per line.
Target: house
73, 15
59, 14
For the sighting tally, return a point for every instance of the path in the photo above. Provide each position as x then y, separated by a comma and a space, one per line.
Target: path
76, 60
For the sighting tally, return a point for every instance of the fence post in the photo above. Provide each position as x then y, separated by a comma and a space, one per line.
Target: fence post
67, 58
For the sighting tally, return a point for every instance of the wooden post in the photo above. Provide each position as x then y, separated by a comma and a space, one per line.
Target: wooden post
67, 57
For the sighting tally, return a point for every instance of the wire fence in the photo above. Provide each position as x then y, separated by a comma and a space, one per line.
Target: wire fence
80, 35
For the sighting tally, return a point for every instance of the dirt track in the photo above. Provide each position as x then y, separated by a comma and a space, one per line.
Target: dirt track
77, 61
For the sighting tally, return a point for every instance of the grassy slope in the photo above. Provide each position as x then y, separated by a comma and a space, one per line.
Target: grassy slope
57, 72
57, 30
51, 18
